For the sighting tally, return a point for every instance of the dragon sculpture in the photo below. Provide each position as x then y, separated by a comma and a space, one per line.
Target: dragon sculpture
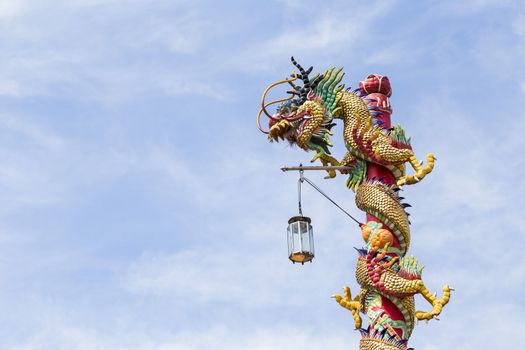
375, 164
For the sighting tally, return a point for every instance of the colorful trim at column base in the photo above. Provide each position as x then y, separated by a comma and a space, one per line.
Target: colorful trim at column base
376, 344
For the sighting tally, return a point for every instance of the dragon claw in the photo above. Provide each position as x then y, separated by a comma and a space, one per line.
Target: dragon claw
354, 305
331, 174
437, 304
326, 160
315, 157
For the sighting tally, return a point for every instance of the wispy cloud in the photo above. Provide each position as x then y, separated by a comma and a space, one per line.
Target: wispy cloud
9, 8
207, 276
332, 31
52, 61
79, 338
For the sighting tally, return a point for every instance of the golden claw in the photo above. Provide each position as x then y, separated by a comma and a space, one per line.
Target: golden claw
420, 171
437, 304
327, 160
354, 305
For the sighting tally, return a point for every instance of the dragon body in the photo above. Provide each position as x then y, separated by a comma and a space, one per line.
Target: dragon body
389, 279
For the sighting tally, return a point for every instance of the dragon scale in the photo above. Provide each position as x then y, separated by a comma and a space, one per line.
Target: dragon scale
376, 159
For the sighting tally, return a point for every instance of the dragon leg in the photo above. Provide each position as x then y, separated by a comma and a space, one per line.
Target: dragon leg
357, 172
421, 171
348, 160
388, 281
354, 305
437, 304
326, 160
392, 284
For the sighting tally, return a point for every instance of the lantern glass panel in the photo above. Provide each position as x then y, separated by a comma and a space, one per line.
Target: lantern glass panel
305, 237
296, 235
293, 241
289, 239
311, 235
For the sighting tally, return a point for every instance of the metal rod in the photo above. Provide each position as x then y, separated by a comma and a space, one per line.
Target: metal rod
301, 170
331, 200
314, 167
299, 183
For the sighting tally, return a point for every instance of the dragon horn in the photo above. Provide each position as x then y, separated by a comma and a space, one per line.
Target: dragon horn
308, 85
301, 69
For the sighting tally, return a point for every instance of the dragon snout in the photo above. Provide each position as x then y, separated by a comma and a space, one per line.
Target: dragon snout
274, 120
278, 129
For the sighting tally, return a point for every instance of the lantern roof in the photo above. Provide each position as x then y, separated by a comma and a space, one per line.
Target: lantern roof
299, 218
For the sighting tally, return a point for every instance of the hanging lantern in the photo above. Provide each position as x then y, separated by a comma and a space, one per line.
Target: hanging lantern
300, 232
300, 239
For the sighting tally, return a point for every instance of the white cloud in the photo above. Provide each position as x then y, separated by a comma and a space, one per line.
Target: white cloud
519, 25
187, 35
41, 167
69, 337
332, 32
9, 88
65, 333
471, 6
26, 176
206, 275
31, 131
9, 8
84, 53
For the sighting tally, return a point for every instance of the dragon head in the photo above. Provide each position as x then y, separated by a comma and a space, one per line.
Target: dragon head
305, 117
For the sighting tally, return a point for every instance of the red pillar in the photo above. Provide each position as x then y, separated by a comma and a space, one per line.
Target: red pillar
376, 89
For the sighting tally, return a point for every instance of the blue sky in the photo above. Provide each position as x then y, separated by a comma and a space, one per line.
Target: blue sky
142, 209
